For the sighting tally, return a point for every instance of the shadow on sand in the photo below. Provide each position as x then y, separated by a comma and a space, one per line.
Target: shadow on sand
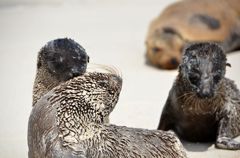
197, 147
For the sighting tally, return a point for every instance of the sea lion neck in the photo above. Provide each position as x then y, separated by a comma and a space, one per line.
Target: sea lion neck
43, 83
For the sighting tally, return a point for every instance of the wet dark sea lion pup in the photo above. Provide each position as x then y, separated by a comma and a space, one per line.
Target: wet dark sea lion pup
191, 21
58, 61
203, 105
68, 122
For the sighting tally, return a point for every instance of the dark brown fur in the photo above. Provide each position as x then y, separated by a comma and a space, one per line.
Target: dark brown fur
191, 21
203, 105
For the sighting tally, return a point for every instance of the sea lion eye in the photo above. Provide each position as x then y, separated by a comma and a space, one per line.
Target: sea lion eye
194, 78
156, 49
217, 78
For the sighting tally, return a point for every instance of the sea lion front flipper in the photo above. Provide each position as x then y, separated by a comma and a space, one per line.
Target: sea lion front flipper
228, 130
166, 121
227, 143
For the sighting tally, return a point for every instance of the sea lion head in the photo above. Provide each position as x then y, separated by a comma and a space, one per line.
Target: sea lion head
203, 67
164, 48
63, 58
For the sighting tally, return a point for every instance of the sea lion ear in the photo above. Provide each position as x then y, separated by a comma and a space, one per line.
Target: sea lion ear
88, 58
228, 64
184, 59
181, 69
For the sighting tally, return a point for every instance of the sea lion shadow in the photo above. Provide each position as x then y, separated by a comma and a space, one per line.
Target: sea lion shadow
197, 147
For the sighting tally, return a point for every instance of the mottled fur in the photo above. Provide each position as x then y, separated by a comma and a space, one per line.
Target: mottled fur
58, 61
68, 122
191, 21
203, 105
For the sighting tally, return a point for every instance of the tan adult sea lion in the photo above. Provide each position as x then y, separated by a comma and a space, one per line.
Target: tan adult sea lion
192, 21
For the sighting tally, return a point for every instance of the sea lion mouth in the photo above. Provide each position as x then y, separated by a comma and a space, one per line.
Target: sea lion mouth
75, 71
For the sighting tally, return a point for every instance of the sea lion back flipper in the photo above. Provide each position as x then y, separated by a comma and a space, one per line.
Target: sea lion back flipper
232, 42
229, 125
226, 133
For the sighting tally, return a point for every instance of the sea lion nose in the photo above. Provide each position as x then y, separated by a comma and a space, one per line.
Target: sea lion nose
206, 93
174, 62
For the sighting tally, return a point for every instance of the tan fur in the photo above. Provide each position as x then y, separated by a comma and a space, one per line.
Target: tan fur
178, 17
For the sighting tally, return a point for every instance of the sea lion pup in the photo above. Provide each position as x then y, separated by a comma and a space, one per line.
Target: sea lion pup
202, 104
58, 61
190, 21
68, 122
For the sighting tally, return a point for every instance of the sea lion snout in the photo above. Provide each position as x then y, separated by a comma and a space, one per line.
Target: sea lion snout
205, 93
174, 62
206, 87
163, 61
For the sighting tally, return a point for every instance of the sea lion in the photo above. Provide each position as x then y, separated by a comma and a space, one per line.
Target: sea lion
58, 61
68, 122
203, 105
191, 21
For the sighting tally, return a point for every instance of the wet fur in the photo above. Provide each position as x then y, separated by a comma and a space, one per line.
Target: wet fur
203, 105
68, 122
191, 21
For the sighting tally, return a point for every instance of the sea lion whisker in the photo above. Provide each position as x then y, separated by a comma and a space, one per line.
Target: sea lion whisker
184, 95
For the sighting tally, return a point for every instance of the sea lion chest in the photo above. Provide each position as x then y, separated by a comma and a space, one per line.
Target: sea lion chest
196, 121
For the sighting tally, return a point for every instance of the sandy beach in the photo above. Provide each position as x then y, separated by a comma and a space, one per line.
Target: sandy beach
113, 33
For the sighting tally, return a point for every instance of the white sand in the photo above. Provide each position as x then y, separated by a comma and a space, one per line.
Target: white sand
113, 33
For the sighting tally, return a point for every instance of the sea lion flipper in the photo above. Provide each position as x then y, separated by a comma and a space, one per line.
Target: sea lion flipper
227, 143
228, 130
166, 122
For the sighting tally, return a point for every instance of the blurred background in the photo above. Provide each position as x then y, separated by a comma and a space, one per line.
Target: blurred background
113, 33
